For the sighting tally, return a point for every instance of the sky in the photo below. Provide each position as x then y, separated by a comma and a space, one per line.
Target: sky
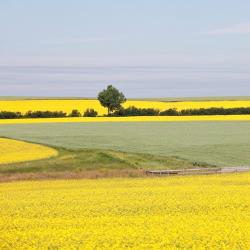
146, 48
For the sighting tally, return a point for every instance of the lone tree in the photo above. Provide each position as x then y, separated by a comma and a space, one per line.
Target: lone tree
111, 98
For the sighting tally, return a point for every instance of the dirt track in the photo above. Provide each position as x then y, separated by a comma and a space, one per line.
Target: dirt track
199, 171
117, 174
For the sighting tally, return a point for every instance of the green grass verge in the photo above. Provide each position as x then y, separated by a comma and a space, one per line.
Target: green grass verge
99, 160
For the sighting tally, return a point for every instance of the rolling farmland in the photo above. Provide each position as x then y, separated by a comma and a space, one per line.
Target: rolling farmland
125, 125
216, 143
135, 213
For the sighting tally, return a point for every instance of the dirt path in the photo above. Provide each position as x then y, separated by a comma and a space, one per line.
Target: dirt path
199, 171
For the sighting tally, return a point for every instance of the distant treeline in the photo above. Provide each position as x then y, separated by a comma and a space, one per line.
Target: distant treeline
46, 114
207, 111
131, 111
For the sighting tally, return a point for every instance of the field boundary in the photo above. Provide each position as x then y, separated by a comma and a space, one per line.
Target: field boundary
122, 173
67, 175
198, 171
129, 119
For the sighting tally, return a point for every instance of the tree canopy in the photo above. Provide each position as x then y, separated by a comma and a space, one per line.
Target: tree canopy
111, 98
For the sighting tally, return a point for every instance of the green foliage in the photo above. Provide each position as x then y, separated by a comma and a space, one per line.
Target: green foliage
90, 113
111, 98
215, 111
133, 111
208, 111
170, 112
32, 114
75, 113
10, 115
44, 114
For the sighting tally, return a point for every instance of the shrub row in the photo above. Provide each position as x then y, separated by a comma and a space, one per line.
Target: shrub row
131, 111
208, 111
46, 114
10, 115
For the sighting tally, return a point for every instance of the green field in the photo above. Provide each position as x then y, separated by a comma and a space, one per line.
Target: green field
215, 143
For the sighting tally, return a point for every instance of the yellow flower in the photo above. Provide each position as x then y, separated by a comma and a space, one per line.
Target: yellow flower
12, 151
130, 119
68, 105
192, 212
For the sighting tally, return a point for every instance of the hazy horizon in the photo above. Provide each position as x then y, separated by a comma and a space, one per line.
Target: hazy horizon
148, 49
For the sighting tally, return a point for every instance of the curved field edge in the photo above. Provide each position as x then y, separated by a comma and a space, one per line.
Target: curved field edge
201, 212
129, 119
17, 151
222, 144
92, 163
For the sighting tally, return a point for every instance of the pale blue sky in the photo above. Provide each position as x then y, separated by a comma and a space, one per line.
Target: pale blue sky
150, 48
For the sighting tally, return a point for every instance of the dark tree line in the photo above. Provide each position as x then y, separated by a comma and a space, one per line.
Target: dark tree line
112, 99
131, 111
46, 114
208, 111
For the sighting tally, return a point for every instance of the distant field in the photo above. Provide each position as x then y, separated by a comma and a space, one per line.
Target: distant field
167, 99
204, 98
201, 212
216, 143
128, 119
81, 104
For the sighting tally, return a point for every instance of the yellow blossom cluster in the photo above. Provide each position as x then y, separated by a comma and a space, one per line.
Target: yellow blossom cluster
192, 212
12, 151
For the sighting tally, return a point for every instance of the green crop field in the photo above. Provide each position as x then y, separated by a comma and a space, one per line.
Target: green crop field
215, 143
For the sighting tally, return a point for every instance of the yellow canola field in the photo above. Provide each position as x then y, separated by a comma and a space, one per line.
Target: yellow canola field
192, 212
68, 105
129, 119
12, 151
